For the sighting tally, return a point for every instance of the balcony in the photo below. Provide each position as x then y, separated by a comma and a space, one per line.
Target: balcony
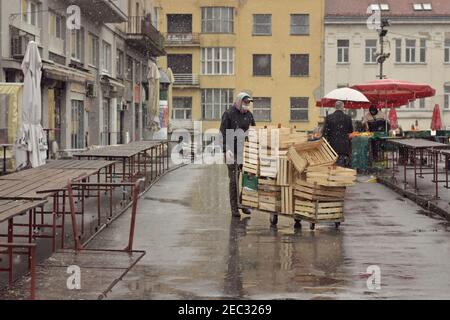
182, 39
186, 80
19, 42
103, 11
143, 36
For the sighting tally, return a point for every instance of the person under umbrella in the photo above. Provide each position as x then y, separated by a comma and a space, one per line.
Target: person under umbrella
375, 120
336, 130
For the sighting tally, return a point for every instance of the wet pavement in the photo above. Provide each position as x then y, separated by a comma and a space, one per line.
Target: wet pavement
195, 250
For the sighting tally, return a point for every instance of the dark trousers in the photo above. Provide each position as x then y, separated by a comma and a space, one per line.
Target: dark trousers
232, 174
343, 161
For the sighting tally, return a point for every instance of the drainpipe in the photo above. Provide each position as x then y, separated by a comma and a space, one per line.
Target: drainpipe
3, 32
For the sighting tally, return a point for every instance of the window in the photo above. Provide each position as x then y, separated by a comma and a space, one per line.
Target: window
343, 51
217, 61
182, 108
56, 25
299, 109
120, 64
417, 6
447, 50
262, 110
262, 65
217, 20
299, 65
427, 6
299, 24
106, 61
93, 50
77, 127
30, 12
262, 24
77, 44
447, 97
378, 7
129, 73
423, 50
422, 103
384, 7
398, 50
179, 23
410, 55
215, 102
411, 104
371, 51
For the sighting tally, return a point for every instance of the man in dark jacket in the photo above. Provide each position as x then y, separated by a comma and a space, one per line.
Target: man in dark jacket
237, 117
336, 130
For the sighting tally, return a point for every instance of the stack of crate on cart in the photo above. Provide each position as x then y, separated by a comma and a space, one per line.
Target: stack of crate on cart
320, 185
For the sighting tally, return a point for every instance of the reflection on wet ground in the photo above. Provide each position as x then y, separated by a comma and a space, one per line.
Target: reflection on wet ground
195, 250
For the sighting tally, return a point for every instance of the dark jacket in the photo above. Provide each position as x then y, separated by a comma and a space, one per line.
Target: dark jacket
336, 129
234, 119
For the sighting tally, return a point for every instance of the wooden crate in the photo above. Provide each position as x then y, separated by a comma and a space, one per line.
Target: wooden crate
317, 153
312, 191
318, 211
251, 158
297, 161
268, 166
331, 176
287, 200
283, 137
250, 199
269, 195
285, 171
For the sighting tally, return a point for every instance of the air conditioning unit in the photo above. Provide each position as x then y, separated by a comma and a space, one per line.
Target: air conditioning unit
19, 43
91, 90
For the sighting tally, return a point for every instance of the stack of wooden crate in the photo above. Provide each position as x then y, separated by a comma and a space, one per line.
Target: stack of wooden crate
298, 177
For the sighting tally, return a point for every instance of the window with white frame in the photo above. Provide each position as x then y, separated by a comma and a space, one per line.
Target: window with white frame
371, 51
217, 20
423, 51
56, 25
411, 104
447, 51
343, 51
410, 52
262, 24
422, 103
215, 102
299, 108
120, 64
106, 54
447, 97
182, 108
398, 50
262, 109
29, 10
94, 49
299, 24
77, 44
217, 61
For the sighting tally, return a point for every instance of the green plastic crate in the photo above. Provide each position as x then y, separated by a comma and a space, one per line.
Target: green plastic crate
250, 182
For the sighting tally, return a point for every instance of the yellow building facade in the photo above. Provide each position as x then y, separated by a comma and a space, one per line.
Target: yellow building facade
270, 49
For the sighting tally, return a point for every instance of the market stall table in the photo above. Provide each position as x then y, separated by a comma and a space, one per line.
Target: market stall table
410, 149
10, 209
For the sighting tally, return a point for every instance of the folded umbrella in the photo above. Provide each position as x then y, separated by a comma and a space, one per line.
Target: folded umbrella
436, 121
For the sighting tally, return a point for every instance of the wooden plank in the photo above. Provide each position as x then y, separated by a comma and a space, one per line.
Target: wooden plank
298, 162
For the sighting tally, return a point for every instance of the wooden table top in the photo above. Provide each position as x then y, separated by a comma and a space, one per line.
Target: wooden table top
77, 164
11, 208
120, 151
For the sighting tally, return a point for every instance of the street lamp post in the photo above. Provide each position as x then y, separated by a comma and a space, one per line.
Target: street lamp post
382, 57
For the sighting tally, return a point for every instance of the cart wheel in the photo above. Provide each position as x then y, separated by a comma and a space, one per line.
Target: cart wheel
298, 224
274, 219
337, 225
312, 226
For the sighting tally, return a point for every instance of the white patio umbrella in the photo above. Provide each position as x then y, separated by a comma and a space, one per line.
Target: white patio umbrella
31, 144
347, 94
154, 77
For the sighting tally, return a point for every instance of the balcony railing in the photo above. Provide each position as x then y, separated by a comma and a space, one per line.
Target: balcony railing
105, 11
180, 39
186, 79
141, 31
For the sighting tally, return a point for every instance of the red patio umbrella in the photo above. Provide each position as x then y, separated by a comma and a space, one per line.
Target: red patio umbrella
392, 117
394, 91
436, 121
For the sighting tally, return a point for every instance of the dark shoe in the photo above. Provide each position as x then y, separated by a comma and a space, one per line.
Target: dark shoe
236, 214
246, 211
